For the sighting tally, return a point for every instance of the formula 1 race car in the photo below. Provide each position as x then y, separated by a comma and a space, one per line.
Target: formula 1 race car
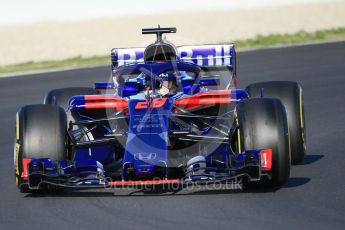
171, 115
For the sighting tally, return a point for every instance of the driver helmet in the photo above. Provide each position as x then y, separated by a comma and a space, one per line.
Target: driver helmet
166, 84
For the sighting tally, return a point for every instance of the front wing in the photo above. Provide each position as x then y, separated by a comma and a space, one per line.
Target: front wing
39, 173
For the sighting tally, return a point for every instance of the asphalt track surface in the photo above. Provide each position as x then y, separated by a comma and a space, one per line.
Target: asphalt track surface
313, 198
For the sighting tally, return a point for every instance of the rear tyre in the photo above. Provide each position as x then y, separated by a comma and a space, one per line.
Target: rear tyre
40, 133
61, 96
263, 125
290, 94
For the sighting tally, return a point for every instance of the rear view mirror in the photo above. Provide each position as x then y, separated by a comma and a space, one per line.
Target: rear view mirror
129, 89
210, 81
104, 85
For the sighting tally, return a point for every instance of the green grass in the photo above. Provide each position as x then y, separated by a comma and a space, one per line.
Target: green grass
78, 61
259, 41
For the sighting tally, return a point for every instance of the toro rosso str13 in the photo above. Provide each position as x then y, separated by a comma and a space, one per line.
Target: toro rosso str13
170, 115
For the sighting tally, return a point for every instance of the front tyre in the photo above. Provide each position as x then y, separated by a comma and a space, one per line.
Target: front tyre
262, 124
40, 133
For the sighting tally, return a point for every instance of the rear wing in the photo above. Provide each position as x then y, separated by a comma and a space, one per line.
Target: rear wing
207, 56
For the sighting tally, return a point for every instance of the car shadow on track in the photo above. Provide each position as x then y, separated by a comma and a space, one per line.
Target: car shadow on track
296, 181
71, 193
310, 159
291, 183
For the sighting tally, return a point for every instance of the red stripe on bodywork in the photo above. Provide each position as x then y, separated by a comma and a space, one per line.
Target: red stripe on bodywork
104, 101
25, 162
204, 98
266, 159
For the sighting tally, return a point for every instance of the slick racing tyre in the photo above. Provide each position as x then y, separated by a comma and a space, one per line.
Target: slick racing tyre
262, 124
290, 94
40, 133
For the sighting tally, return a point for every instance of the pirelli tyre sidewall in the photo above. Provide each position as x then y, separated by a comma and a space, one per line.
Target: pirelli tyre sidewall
262, 124
291, 95
40, 132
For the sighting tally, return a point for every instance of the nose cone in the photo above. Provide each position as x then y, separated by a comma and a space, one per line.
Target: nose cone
147, 141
